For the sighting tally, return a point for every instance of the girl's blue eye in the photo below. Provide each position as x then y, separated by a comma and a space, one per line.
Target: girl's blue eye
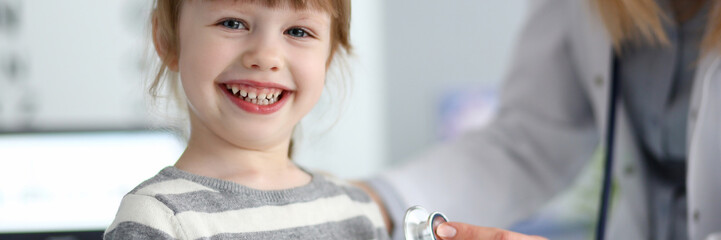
297, 32
232, 24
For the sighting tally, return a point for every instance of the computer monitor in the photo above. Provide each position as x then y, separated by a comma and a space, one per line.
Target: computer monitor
68, 185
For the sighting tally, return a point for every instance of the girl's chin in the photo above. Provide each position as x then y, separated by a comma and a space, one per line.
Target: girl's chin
258, 140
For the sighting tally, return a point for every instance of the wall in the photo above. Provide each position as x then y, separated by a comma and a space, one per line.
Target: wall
433, 47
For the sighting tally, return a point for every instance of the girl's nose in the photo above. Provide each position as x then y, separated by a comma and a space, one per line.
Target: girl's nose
263, 57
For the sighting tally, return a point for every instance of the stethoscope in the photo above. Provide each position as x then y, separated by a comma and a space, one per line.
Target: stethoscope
419, 224
608, 166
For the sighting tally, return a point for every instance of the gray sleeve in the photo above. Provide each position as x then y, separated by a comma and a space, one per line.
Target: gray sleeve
143, 217
543, 135
132, 230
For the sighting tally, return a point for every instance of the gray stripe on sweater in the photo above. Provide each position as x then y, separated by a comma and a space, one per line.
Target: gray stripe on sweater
353, 228
233, 196
132, 230
211, 202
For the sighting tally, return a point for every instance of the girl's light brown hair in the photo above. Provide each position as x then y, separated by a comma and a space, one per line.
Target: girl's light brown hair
642, 21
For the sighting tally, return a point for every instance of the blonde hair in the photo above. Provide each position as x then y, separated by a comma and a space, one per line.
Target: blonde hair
641, 21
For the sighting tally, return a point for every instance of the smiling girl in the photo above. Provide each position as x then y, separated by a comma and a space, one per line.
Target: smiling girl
250, 70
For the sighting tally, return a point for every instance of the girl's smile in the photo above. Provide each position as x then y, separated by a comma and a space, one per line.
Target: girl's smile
256, 97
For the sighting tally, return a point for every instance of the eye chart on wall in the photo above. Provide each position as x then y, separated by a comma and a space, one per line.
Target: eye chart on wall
72, 65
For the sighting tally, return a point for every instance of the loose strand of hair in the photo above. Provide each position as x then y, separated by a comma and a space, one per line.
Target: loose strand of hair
641, 22
633, 21
712, 40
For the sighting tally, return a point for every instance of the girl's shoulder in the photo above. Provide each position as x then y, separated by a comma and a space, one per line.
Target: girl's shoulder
350, 203
140, 215
338, 185
150, 209
143, 214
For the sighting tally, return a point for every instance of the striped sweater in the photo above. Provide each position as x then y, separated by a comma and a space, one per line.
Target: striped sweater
179, 205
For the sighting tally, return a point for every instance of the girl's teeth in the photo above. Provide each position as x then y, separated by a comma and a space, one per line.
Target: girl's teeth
257, 96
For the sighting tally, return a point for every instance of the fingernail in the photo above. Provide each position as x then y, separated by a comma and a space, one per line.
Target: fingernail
446, 231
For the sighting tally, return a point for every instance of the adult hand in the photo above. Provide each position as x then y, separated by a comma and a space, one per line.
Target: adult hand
462, 231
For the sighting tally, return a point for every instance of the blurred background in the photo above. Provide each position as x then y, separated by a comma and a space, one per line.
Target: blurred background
76, 132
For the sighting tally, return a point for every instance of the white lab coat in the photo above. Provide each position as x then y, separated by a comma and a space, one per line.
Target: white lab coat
552, 117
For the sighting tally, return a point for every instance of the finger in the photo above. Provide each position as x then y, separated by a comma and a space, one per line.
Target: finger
462, 231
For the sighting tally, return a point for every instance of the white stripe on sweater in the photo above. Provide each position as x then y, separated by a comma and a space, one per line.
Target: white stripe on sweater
266, 218
175, 186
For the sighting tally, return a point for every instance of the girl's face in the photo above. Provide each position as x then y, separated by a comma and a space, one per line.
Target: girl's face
251, 72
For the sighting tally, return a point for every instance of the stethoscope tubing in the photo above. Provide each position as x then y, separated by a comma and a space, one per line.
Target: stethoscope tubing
614, 89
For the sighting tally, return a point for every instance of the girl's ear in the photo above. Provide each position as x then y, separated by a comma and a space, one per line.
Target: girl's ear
160, 41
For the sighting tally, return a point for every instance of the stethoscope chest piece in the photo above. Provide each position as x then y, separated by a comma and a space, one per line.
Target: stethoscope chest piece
419, 224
